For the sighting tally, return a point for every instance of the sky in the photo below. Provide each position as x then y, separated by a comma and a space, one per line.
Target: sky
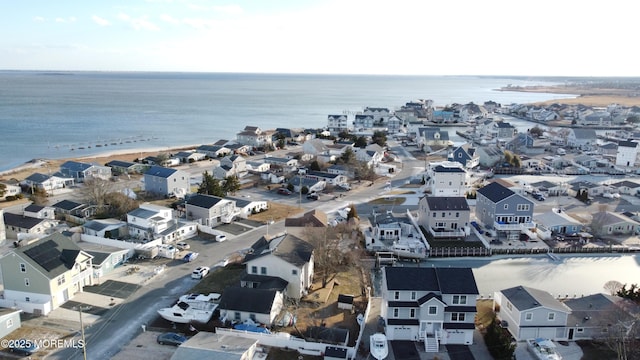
405, 37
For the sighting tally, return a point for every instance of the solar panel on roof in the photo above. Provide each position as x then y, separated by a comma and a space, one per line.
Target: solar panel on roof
46, 255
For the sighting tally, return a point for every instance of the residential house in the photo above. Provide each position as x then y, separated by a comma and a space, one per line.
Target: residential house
341, 169
240, 149
152, 222
47, 183
258, 166
337, 124
106, 228
216, 346
610, 148
442, 116
627, 153
582, 138
311, 183
516, 187
370, 156
287, 257
395, 125
119, 167
287, 164
254, 137
246, 207
107, 259
43, 275
601, 317
592, 189
312, 218
596, 118
32, 227
530, 313
11, 189
331, 179
213, 151
80, 171
210, 210
72, 208
240, 304
380, 115
558, 221
234, 165
3, 229
466, 155
611, 223
490, 155
430, 304
291, 135
503, 210
40, 212
550, 188
626, 187
189, 156
504, 130
523, 143
316, 147
444, 217
429, 136
447, 178
362, 122
9, 321
166, 182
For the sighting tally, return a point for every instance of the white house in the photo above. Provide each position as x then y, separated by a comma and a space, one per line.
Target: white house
164, 181
627, 153
240, 304
210, 210
447, 178
150, 222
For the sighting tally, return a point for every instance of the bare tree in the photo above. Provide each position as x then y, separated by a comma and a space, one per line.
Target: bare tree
326, 253
95, 191
613, 286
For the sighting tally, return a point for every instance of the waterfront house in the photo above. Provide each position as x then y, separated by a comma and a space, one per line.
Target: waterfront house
254, 137
166, 182
119, 167
430, 304
19, 226
444, 217
41, 276
626, 187
558, 221
11, 189
582, 138
550, 188
596, 118
601, 317
627, 153
523, 143
504, 130
530, 313
380, 115
363, 122
446, 178
47, 183
80, 171
337, 124
234, 165
240, 304
500, 208
286, 257
489, 155
611, 223
466, 155
210, 210
151, 222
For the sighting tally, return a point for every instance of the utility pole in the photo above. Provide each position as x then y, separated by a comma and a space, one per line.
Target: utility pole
84, 343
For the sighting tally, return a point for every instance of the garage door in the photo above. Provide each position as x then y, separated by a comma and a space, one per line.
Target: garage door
399, 333
455, 337
547, 333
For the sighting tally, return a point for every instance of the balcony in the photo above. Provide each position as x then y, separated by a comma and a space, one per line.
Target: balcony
446, 233
501, 226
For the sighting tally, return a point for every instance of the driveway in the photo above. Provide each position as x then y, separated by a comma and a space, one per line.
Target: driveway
86, 308
405, 350
113, 288
459, 352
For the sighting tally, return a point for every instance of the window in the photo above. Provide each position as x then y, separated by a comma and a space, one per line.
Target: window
23, 267
523, 207
254, 269
413, 295
459, 299
580, 330
443, 214
27, 282
509, 306
263, 270
61, 280
433, 310
412, 313
551, 316
236, 316
396, 295
506, 206
528, 316
252, 317
27, 299
294, 272
434, 214
457, 214
395, 313
457, 316
9, 323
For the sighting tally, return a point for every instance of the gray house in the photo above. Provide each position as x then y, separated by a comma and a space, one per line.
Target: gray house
9, 321
499, 208
80, 171
444, 217
210, 210
531, 313
164, 181
600, 316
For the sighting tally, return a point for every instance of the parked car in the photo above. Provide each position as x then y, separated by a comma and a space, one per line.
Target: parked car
183, 246
171, 338
23, 347
283, 191
200, 272
312, 196
221, 238
190, 257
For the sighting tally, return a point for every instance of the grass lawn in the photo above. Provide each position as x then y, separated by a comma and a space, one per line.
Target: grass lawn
388, 201
219, 279
485, 314
276, 212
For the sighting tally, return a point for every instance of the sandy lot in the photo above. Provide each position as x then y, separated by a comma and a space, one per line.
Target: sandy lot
145, 347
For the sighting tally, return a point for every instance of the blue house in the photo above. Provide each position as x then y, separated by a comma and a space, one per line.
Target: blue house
465, 155
499, 208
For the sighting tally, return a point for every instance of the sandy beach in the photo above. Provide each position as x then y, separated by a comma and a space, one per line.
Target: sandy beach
587, 95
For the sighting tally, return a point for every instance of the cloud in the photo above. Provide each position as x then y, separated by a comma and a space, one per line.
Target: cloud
169, 19
67, 20
100, 21
38, 19
140, 23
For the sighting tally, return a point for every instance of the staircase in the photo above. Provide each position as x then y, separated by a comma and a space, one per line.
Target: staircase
431, 344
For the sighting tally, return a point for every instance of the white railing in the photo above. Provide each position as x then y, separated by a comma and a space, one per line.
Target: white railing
447, 234
507, 227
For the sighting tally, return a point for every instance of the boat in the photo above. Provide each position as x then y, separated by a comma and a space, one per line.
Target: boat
378, 347
414, 249
191, 298
543, 349
394, 235
187, 312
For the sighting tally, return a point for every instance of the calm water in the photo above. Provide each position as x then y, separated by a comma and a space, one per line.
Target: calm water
45, 115
572, 275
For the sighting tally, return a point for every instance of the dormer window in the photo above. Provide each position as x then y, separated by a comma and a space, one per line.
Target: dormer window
23, 267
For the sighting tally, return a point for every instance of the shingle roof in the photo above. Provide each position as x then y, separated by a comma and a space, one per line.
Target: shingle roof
52, 255
120, 163
33, 208
287, 247
450, 169
66, 205
21, 221
630, 144
247, 299
495, 192
445, 280
447, 203
38, 178
523, 298
266, 282
203, 201
75, 166
142, 213
160, 171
